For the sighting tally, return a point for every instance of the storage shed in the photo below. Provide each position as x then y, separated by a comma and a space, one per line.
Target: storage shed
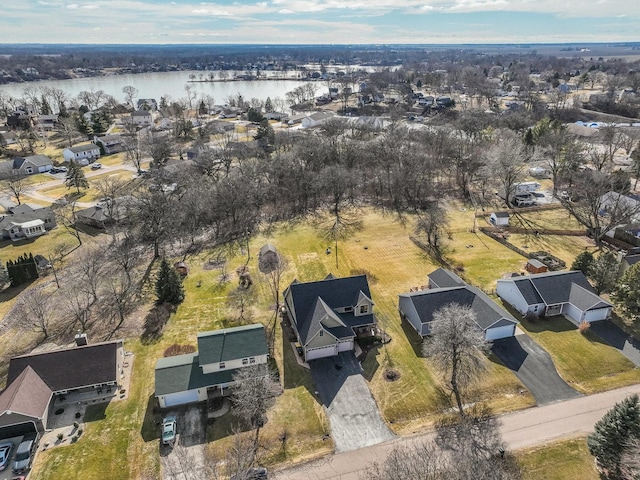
535, 266
499, 219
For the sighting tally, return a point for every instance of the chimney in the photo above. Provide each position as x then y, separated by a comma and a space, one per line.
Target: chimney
81, 340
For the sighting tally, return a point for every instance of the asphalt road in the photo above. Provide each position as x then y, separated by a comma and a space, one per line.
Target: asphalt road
534, 368
353, 413
526, 428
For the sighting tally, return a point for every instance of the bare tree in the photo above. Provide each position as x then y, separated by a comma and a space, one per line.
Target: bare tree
66, 216
17, 184
254, 392
133, 151
91, 265
240, 457
431, 225
77, 304
506, 160
67, 128
38, 311
130, 92
456, 345
421, 461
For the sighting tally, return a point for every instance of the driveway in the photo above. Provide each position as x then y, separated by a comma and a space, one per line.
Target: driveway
534, 368
616, 337
353, 414
186, 458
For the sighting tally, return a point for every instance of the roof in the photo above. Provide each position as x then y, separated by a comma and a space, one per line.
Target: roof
36, 160
29, 224
267, 247
183, 372
232, 344
141, 113
70, 368
315, 304
535, 263
552, 288
23, 213
110, 139
501, 214
95, 213
487, 312
27, 395
445, 278
631, 259
83, 148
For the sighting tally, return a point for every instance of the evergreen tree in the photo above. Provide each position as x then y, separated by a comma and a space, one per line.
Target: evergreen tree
45, 108
268, 105
604, 272
254, 115
627, 294
583, 262
265, 132
202, 109
75, 177
100, 123
617, 428
4, 275
169, 287
83, 125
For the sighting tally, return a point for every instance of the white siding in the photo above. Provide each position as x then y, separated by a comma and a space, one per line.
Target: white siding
406, 307
597, 314
574, 313
230, 364
345, 345
181, 398
508, 291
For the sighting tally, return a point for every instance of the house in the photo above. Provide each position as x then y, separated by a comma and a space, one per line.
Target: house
82, 154
32, 164
327, 315
194, 377
47, 122
142, 118
625, 206
268, 258
36, 381
499, 219
628, 260
24, 222
317, 118
96, 216
554, 293
418, 308
274, 116
110, 143
147, 104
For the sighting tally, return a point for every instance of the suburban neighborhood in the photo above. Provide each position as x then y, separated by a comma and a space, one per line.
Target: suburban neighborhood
420, 265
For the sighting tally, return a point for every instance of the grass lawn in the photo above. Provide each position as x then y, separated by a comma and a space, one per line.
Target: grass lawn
565, 460
583, 361
90, 194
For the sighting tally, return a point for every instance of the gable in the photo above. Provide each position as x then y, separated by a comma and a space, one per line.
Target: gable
182, 373
445, 278
27, 395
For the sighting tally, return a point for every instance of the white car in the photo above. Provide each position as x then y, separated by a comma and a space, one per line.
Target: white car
168, 430
96, 166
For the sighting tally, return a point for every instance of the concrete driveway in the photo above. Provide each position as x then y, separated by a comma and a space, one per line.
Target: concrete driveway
534, 368
353, 414
186, 458
613, 335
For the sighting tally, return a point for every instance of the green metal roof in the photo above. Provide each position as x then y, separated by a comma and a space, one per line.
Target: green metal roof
183, 372
232, 344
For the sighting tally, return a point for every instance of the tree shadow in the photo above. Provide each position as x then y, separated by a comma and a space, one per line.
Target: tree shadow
557, 324
150, 429
154, 323
370, 363
10, 293
225, 426
95, 412
295, 375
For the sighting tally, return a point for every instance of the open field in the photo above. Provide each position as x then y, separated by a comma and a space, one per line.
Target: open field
565, 460
92, 193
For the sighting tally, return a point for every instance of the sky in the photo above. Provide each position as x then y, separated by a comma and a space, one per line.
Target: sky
319, 21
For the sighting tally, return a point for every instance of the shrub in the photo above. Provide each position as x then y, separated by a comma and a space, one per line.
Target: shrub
584, 327
60, 436
80, 431
177, 349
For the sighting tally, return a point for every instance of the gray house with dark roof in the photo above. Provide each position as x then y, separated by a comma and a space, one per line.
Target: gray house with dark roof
554, 293
24, 222
328, 314
34, 381
418, 308
195, 377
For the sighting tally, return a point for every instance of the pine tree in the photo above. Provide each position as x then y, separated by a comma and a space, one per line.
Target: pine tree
75, 177
202, 109
45, 109
4, 275
583, 262
169, 287
627, 294
604, 272
617, 428
268, 105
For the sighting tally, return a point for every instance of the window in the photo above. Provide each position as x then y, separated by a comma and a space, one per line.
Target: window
252, 360
348, 309
321, 333
245, 361
222, 365
364, 308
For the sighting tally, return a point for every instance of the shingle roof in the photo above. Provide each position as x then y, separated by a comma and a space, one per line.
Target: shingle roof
27, 395
183, 372
72, 367
487, 312
83, 148
445, 278
551, 288
501, 214
24, 213
232, 344
96, 213
335, 293
631, 259
585, 299
36, 160
141, 113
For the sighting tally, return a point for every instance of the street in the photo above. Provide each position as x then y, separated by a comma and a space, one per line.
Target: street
527, 428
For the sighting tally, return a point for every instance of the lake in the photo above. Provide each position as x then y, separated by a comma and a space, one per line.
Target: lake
157, 84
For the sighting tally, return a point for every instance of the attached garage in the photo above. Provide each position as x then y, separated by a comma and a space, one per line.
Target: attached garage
321, 352
597, 314
345, 345
501, 329
17, 429
179, 398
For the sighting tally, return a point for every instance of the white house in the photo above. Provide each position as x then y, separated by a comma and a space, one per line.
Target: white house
82, 154
418, 308
327, 315
554, 293
142, 118
209, 372
499, 219
317, 118
24, 221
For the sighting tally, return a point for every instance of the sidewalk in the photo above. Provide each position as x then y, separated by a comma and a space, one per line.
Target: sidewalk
526, 428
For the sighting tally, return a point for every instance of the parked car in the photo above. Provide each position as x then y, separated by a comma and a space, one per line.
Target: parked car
24, 453
62, 169
5, 454
96, 166
169, 430
254, 473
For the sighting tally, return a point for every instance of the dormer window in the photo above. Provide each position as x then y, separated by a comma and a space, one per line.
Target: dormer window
364, 309
348, 309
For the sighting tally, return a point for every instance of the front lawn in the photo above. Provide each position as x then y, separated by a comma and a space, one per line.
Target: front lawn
564, 460
583, 361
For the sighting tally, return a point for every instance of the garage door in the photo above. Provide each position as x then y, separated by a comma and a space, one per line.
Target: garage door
501, 332
18, 430
313, 353
181, 398
345, 346
597, 314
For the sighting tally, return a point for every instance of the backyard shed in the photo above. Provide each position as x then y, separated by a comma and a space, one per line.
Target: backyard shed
499, 219
535, 266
